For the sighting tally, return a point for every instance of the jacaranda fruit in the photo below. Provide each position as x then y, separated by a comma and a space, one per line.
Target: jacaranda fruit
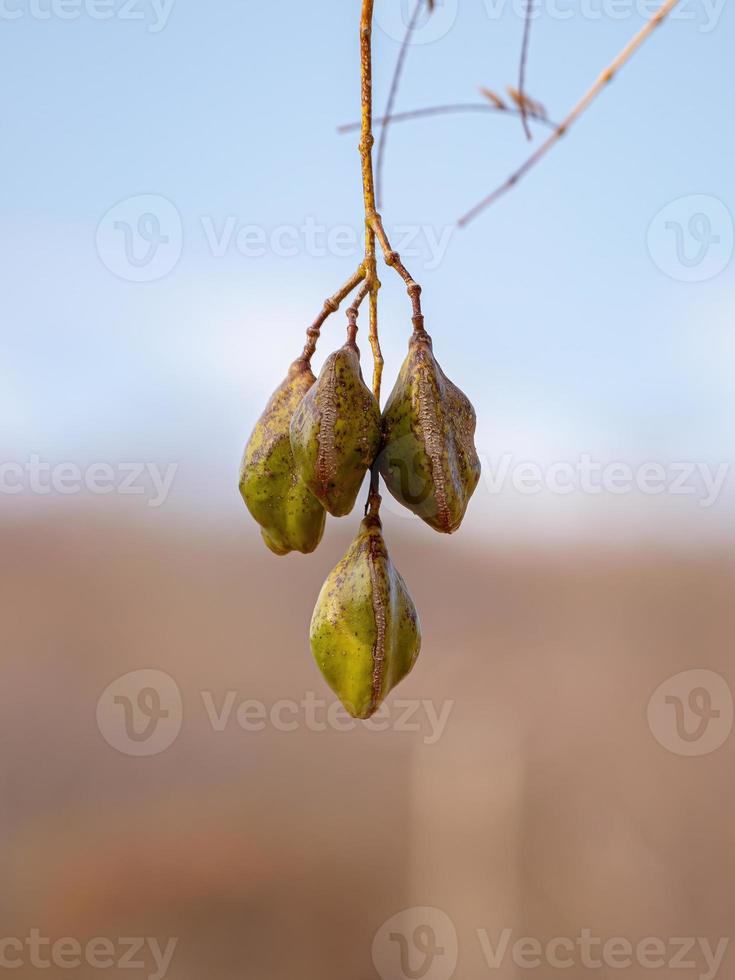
335, 432
365, 633
291, 518
428, 460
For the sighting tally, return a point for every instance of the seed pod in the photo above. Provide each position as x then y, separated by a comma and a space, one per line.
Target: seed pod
429, 461
291, 518
335, 432
365, 633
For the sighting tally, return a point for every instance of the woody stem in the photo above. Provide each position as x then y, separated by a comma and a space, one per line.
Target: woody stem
368, 183
368, 188
331, 305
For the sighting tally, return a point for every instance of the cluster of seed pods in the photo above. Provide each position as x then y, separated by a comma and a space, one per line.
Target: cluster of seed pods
308, 456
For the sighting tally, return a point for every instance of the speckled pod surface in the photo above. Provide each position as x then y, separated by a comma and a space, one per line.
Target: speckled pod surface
335, 432
365, 633
290, 517
429, 462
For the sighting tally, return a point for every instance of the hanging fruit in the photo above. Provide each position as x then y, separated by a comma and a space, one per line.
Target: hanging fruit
365, 633
335, 432
429, 462
318, 438
290, 517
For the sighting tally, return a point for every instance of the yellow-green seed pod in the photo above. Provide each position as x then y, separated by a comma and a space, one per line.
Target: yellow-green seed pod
428, 461
335, 432
365, 633
291, 518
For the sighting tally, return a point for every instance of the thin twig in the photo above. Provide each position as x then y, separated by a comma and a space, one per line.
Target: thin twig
368, 183
522, 70
607, 75
359, 297
331, 305
392, 100
446, 110
393, 259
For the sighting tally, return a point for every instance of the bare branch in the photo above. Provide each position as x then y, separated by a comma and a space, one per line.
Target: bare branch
607, 76
331, 305
445, 110
392, 98
522, 70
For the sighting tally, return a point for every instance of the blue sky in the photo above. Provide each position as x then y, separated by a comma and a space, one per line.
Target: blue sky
563, 311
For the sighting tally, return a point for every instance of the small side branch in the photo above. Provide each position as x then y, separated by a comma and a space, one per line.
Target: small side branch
604, 79
331, 305
522, 69
358, 300
448, 110
393, 259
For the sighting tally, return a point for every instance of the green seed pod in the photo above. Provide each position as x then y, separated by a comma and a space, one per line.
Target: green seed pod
429, 461
365, 633
335, 432
291, 518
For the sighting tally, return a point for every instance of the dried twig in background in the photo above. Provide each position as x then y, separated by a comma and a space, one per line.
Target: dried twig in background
522, 69
534, 110
392, 98
576, 112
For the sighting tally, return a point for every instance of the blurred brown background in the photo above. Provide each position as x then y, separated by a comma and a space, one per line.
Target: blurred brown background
545, 805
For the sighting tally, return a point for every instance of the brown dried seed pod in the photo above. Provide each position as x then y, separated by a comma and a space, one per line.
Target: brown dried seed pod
429, 462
